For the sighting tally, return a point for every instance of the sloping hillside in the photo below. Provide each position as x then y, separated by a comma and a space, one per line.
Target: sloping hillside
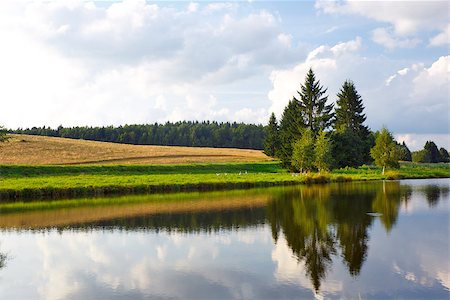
39, 150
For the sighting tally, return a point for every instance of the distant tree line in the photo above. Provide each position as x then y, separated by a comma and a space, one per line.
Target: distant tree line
431, 154
186, 133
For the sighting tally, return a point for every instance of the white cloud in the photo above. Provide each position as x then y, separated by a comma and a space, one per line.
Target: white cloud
435, 80
383, 37
411, 99
407, 18
417, 141
133, 62
325, 61
219, 6
442, 38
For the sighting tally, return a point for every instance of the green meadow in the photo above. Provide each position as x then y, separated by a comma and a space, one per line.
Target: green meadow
20, 182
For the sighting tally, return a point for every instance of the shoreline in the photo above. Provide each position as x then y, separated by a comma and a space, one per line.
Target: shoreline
34, 183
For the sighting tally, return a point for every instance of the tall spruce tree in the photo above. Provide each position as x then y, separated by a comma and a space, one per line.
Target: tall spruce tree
272, 141
352, 139
433, 152
291, 125
443, 154
404, 153
349, 109
316, 114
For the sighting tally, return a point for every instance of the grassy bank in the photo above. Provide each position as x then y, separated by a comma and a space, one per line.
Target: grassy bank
38, 182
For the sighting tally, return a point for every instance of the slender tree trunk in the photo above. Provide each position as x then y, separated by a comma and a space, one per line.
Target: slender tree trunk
382, 173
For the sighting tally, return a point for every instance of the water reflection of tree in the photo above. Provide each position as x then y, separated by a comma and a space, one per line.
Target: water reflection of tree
317, 221
433, 193
2, 260
387, 202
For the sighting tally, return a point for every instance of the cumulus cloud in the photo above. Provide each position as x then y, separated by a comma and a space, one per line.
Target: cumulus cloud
383, 37
406, 19
411, 99
326, 61
133, 62
442, 38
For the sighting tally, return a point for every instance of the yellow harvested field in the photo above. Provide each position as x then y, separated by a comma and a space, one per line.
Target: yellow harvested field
39, 150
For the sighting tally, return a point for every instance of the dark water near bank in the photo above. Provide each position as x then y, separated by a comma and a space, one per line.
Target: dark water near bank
354, 240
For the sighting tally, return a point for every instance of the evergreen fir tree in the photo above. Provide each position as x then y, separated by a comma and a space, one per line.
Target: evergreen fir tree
272, 141
443, 153
349, 110
291, 126
352, 138
404, 153
312, 102
432, 152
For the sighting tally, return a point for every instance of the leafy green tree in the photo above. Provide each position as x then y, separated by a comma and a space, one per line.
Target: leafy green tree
272, 141
404, 153
385, 151
433, 151
291, 125
420, 156
443, 153
316, 114
322, 149
303, 157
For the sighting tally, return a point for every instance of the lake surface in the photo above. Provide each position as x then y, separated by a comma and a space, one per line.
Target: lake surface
351, 240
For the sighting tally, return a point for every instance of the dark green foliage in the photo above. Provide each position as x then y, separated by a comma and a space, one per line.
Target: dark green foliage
443, 153
404, 153
385, 151
303, 156
272, 142
432, 151
312, 102
186, 133
3, 136
291, 126
353, 139
349, 110
348, 149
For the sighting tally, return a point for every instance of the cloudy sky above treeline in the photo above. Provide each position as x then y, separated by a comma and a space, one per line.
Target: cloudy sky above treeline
130, 62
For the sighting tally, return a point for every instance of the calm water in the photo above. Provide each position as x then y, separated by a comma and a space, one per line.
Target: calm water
356, 240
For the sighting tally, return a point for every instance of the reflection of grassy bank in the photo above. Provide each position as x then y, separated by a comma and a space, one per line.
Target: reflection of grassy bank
60, 213
34, 182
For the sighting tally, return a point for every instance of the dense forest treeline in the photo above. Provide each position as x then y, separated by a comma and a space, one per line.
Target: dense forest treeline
186, 133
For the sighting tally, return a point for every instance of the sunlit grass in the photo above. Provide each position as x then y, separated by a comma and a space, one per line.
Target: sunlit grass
34, 182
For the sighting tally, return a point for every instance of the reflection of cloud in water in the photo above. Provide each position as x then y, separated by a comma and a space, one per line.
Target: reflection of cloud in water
96, 264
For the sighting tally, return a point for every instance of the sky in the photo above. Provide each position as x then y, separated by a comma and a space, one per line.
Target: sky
131, 62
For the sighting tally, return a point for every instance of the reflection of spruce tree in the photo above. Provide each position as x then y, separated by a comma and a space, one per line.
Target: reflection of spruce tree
2, 260
304, 219
350, 206
433, 193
